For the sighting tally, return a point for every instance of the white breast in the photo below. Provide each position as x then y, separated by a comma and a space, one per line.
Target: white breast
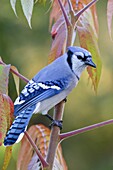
49, 103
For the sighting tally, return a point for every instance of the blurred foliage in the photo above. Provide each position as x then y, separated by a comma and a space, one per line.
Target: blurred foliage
28, 50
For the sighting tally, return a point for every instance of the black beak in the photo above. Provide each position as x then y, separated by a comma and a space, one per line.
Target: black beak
89, 62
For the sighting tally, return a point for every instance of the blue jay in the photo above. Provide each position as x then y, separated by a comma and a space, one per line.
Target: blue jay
48, 87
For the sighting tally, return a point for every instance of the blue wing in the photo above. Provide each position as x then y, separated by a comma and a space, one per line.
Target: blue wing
37, 92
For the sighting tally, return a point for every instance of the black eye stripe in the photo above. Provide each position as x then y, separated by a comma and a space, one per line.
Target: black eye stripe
80, 57
83, 58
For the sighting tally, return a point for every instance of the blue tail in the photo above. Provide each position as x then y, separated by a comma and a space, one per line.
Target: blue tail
19, 126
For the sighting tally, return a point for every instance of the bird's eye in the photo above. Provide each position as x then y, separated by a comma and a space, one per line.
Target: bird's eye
80, 57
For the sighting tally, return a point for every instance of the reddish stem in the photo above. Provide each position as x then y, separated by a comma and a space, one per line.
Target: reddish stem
78, 14
16, 73
70, 6
84, 129
44, 163
64, 13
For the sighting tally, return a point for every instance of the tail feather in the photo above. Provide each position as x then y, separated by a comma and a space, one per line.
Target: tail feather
19, 126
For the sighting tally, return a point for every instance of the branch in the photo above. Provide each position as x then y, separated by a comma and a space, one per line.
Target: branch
71, 28
70, 6
44, 163
84, 129
54, 138
16, 73
59, 108
78, 14
72, 13
64, 13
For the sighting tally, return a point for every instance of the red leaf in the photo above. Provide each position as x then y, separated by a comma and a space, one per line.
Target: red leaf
58, 43
109, 15
55, 12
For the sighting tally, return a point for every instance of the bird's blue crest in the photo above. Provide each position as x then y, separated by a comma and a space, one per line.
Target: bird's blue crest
74, 49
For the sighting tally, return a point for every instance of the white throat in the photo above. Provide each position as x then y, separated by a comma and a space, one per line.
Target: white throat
77, 66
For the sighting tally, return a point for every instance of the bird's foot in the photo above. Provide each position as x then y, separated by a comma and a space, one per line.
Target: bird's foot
65, 100
57, 123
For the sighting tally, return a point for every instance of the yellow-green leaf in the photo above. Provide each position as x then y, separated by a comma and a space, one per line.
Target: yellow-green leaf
3, 120
7, 157
16, 79
4, 77
6, 115
89, 40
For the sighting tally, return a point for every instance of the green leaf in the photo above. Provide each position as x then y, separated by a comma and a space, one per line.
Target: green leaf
27, 6
16, 79
13, 5
4, 76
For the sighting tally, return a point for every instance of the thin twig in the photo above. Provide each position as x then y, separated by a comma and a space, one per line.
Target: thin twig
84, 129
64, 13
16, 73
70, 6
44, 163
72, 13
78, 14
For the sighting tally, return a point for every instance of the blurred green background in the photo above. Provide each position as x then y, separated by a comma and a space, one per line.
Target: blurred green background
28, 50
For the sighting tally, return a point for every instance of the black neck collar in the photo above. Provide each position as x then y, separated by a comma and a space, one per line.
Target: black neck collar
69, 60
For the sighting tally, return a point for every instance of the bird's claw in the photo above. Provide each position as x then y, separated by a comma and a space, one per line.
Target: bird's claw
57, 123
65, 100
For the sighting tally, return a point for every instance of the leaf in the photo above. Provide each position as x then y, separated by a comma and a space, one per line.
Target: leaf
109, 15
3, 120
6, 104
27, 6
9, 109
41, 136
6, 110
13, 5
6, 115
55, 12
40, 1
4, 76
7, 157
59, 41
89, 40
16, 79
